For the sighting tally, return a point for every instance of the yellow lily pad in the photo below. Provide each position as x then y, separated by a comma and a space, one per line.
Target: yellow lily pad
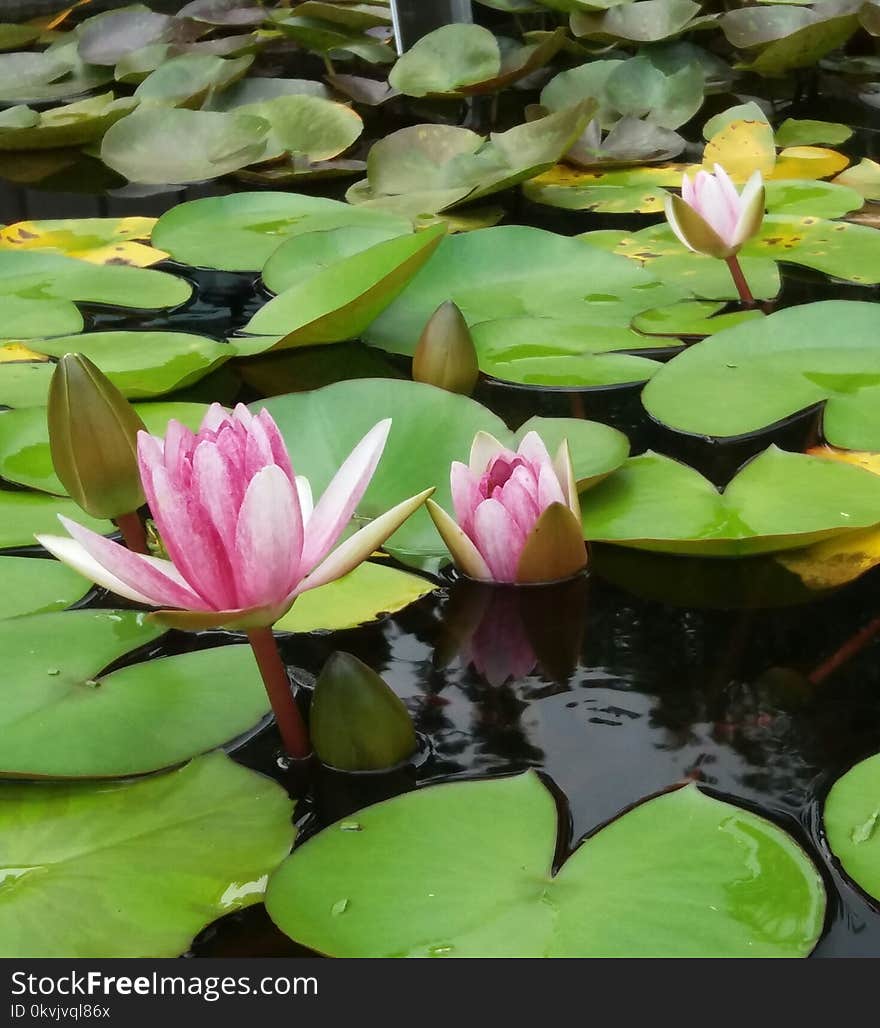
96, 240
864, 177
809, 162
741, 148
11, 353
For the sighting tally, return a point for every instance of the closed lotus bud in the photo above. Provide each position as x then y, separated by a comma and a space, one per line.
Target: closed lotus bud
445, 356
357, 723
93, 438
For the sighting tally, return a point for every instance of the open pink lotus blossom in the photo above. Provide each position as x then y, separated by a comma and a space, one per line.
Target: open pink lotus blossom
240, 528
517, 515
711, 217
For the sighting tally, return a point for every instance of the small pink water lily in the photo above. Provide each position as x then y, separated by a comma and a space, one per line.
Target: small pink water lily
240, 528
712, 218
517, 515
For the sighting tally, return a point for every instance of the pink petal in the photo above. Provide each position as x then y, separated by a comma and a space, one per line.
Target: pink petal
499, 539
178, 447
276, 443
549, 489
304, 491
71, 553
341, 497
215, 416
268, 539
688, 193
257, 450
533, 449
466, 495
157, 579
242, 415
219, 491
520, 498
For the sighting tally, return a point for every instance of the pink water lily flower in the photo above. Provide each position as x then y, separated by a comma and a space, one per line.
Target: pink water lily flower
240, 528
711, 217
517, 515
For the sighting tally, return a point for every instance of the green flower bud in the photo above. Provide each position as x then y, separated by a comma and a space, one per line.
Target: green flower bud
93, 438
445, 355
356, 722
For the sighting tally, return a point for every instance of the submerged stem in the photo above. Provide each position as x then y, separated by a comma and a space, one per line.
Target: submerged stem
291, 725
133, 532
739, 280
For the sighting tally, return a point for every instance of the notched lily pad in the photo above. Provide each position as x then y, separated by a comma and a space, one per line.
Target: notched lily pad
203, 839
465, 870
852, 823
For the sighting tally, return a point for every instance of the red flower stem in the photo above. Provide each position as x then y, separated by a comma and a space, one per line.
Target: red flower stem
133, 532
739, 280
854, 645
291, 725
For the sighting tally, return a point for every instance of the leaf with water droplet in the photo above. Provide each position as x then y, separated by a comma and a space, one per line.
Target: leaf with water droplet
852, 823
339, 907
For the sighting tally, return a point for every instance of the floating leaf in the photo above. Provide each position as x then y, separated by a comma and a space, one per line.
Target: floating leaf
97, 240
33, 586
310, 126
106, 38
53, 74
41, 275
63, 719
810, 199
363, 595
71, 125
256, 90
466, 869
863, 177
323, 37
24, 437
778, 501
658, 87
852, 824
340, 301
758, 374
741, 148
793, 132
794, 37
13, 37
425, 169
224, 12
73, 848
417, 456
515, 271
253, 225
691, 318
24, 514
27, 319
647, 21
186, 80
158, 145
615, 190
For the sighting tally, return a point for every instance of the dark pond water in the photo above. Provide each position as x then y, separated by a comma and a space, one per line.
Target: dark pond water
616, 686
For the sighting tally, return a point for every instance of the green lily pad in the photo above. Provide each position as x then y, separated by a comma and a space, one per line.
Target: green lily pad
837, 248
794, 132
516, 271
466, 869
553, 352
324, 36
339, 302
863, 177
417, 456
34, 586
13, 37
691, 318
638, 190
159, 145
586, 82
29, 319
143, 365
305, 255
134, 67
53, 74
351, 15
224, 12
201, 839
39, 275
852, 824
71, 125
106, 38
363, 595
257, 90
309, 126
25, 383
24, 514
657, 250
778, 501
253, 225
646, 21
425, 169
789, 37
817, 199
24, 440
757, 374
186, 80
62, 719
463, 59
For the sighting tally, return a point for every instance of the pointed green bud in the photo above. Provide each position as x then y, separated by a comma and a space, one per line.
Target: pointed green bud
445, 356
356, 722
93, 438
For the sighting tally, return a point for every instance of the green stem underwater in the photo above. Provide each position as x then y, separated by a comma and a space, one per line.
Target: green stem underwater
294, 734
133, 532
739, 280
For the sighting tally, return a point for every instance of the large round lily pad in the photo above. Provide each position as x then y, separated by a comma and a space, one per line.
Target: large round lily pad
106, 38
852, 823
24, 318
24, 514
142, 364
34, 586
309, 126
417, 455
186, 80
24, 440
778, 501
465, 870
135, 869
159, 145
63, 719
253, 225
362, 595
43, 275
754, 375
340, 301
514, 271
